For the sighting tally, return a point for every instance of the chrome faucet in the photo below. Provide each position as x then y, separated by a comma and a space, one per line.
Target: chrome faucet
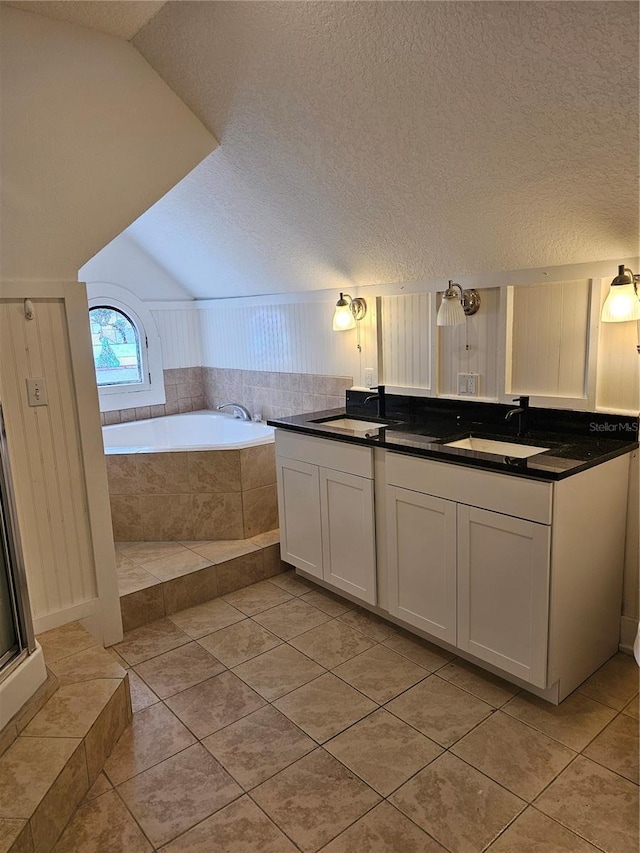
521, 411
239, 411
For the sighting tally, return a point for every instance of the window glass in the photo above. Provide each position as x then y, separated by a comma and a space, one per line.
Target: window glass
116, 347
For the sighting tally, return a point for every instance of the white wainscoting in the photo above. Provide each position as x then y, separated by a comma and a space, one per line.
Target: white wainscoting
181, 337
57, 458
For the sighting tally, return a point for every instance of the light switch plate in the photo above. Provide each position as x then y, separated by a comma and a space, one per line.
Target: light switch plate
368, 377
37, 392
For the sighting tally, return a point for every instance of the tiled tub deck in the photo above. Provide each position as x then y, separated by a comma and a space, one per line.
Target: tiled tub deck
193, 495
280, 718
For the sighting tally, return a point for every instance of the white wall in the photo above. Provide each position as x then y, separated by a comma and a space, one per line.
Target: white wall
90, 138
124, 262
180, 331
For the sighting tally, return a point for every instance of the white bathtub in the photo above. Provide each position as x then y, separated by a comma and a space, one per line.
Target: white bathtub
193, 431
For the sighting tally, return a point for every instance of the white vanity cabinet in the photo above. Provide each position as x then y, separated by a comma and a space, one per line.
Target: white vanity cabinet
474, 577
326, 508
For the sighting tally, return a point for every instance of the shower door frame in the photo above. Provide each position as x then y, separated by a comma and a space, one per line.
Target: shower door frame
16, 574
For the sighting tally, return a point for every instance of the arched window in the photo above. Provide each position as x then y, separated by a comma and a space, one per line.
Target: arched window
126, 347
117, 354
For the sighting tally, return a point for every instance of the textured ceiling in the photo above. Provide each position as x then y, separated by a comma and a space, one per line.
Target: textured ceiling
121, 18
376, 142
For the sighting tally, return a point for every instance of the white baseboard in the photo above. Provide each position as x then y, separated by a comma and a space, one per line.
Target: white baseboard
628, 631
61, 617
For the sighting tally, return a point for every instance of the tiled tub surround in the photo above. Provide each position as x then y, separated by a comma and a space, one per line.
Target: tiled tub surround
184, 390
193, 495
271, 394
160, 578
52, 753
282, 718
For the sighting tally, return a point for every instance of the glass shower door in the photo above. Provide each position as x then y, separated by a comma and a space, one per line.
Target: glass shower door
9, 645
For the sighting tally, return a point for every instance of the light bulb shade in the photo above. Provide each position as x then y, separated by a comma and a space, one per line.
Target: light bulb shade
343, 318
621, 304
450, 312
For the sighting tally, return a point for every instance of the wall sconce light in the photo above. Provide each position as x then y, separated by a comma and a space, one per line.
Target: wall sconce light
454, 308
347, 311
623, 301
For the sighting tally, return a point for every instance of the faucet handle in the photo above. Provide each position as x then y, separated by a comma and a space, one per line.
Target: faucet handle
523, 400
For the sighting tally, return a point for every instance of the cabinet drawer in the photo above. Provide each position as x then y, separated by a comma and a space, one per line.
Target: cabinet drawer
499, 492
336, 455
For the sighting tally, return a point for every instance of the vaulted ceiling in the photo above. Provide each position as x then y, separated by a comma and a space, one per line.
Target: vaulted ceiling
373, 142
122, 18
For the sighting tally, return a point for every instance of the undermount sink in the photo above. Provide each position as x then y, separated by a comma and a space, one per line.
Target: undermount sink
501, 448
353, 424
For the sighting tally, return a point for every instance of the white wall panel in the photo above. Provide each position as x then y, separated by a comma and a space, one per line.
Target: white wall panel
481, 332
180, 334
291, 337
549, 339
406, 340
44, 445
618, 385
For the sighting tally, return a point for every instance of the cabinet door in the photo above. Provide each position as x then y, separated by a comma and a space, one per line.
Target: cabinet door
503, 591
348, 533
422, 561
299, 510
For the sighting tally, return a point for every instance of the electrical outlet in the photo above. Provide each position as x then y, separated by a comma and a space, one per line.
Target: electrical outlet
468, 384
368, 377
37, 392
473, 383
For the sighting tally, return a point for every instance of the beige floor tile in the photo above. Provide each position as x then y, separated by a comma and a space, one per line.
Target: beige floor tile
633, 708
257, 597
64, 641
617, 747
516, 756
99, 787
278, 671
142, 696
223, 549
177, 794
132, 577
239, 642
293, 584
324, 707
380, 673
383, 751
150, 640
369, 624
481, 683
534, 832
420, 651
258, 746
332, 643
265, 540
383, 830
596, 804
291, 618
457, 805
574, 722
615, 683
440, 710
73, 709
176, 565
95, 662
206, 618
142, 607
154, 734
179, 669
144, 552
214, 704
15, 836
332, 604
313, 800
28, 769
103, 825
114, 654
240, 827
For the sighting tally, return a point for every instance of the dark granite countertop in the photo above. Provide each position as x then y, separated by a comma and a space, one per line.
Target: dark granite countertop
576, 440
